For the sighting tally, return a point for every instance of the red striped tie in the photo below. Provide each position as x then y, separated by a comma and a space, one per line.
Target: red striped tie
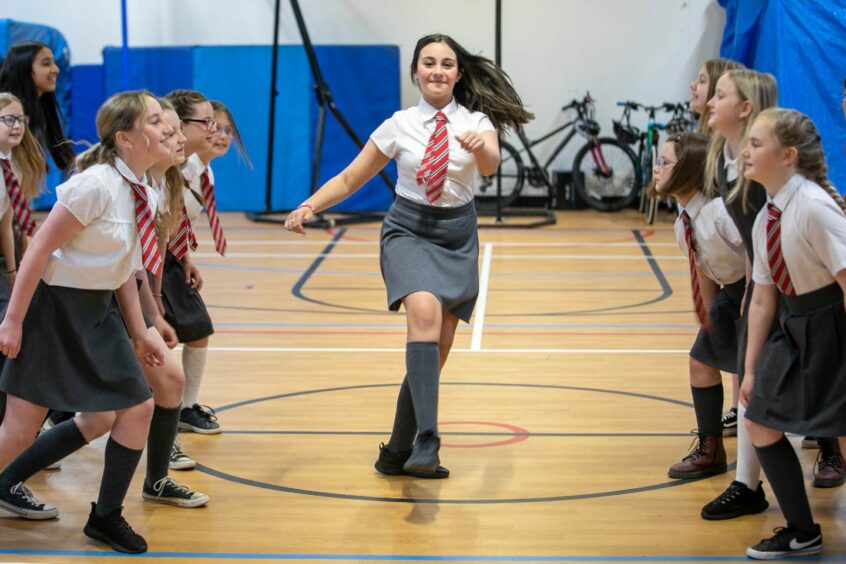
146, 229
23, 216
698, 303
184, 237
433, 168
211, 209
777, 265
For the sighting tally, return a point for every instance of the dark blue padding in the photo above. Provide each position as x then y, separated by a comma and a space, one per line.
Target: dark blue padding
157, 69
804, 45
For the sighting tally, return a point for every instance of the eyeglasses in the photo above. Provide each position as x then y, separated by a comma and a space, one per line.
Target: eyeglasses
208, 124
10, 121
227, 130
663, 163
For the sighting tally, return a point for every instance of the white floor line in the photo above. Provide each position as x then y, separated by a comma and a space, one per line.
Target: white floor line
311, 350
375, 243
479, 318
340, 255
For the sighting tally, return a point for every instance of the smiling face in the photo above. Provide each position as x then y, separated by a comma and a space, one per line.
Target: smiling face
11, 136
44, 71
436, 73
699, 91
176, 141
764, 160
146, 143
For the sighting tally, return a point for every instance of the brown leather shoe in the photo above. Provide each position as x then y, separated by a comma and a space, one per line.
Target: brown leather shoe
708, 458
830, 469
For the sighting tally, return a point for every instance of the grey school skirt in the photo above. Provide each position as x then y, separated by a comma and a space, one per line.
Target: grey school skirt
800, 385
431, 249
717, 347
75, 354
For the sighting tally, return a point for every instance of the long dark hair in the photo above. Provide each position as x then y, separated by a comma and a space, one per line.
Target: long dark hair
484, 87
43, 111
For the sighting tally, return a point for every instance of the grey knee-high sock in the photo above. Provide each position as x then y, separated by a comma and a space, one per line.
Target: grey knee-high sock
784, 472
60, 441
120, 465
708, 404
405, 425
422, 362
159, 442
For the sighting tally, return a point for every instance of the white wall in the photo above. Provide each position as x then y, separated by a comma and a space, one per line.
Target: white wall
554, 50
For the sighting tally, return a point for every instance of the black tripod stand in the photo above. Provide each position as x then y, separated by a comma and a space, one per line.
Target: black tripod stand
324, 100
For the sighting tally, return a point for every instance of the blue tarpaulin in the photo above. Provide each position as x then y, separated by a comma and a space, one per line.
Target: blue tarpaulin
802, 43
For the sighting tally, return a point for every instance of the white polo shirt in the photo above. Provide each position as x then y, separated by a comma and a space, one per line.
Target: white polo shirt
813, 236
404, 137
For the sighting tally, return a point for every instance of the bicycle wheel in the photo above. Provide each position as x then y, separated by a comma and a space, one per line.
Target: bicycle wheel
512, 175
605, 175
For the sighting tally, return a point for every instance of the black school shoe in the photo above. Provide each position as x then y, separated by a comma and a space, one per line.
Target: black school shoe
424, 454
391, 464
114, 531
787, 541
737, 500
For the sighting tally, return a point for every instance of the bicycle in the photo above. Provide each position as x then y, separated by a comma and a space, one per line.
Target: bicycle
647, 141
606, 181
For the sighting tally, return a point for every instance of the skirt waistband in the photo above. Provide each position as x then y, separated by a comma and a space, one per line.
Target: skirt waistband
404, 204
814, 301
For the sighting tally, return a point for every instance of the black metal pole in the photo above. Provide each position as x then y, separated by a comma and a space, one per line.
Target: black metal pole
271, 130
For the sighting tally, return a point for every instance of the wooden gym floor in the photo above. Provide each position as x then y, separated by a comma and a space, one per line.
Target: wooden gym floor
562, 406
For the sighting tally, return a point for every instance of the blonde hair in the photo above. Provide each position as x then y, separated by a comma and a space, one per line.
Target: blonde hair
790, 128
761, 91
714, 68
27, 155
169, 215
121, 112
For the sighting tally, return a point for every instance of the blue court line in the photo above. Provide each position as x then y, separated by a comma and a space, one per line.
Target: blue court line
465, 327
403, 557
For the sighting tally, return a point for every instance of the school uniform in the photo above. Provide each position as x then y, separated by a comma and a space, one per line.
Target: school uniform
721, 257
801, 381
75, 352
5, 205
185, 309
431, 246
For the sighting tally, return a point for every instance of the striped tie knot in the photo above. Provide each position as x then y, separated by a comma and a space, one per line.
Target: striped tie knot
20, 205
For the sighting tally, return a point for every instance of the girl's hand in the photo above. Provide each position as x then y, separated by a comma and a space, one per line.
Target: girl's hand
10, 338
746, 389
166, 331
471, 141
147, 351
294, 221
192, 276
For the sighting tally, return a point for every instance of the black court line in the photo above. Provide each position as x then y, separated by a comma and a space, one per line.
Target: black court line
427, 500
466, 434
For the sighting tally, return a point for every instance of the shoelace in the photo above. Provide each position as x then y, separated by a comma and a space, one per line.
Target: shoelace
730, 494
22, 490
206, 412
832, 460
698, 450
159, 486
176, 450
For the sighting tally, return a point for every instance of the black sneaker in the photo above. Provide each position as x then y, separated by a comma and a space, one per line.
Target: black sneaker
424, 455
390, 463
114, 531
20, 501
730, 422
737, 500
169, 492
787, 541
199, 419
179, 460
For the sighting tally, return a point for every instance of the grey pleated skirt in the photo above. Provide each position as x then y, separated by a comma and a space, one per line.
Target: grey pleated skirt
185, 309
75, 354
717, 347
800, 385
431, 249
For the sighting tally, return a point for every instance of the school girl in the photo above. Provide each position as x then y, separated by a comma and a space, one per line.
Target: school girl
701, 90
708, 237
429, 240
794, 382
184, 308
86, 254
